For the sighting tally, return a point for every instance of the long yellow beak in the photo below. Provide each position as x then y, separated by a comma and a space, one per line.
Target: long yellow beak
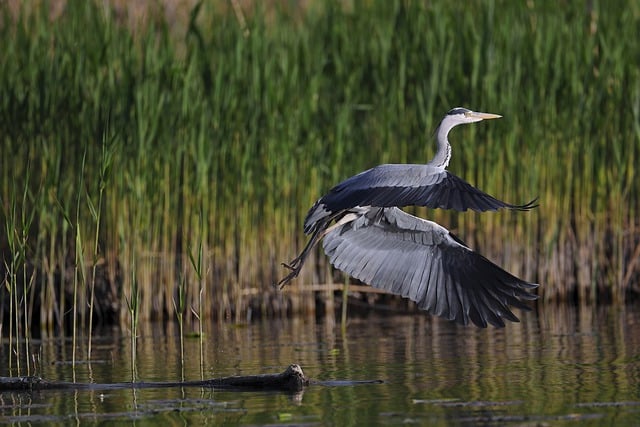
484, 116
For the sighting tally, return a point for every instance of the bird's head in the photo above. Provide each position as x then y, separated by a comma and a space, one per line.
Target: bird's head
459, 115
455, 117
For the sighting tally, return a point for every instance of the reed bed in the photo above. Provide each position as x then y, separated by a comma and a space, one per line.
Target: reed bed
159, 171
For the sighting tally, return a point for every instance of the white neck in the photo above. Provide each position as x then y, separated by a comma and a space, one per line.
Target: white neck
443, 153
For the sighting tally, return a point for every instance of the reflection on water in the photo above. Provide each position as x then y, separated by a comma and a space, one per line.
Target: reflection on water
561, 365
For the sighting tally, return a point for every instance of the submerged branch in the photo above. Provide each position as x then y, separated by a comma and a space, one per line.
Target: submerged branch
292, 379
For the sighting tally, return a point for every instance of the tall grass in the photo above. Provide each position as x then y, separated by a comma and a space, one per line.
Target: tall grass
222, 134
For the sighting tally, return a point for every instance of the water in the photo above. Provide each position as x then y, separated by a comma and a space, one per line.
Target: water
561, 366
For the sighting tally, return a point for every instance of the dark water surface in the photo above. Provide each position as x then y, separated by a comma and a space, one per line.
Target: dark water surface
560, 366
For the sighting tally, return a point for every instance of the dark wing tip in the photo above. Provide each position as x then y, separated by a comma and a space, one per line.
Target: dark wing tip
452, 192
525, 207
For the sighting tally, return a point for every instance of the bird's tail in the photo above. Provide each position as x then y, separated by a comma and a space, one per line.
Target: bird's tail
317, 218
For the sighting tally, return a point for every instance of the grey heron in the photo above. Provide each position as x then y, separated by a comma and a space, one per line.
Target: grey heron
367, 236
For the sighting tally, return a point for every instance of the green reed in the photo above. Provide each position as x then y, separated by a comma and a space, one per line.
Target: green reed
96, 214
18, 280
223, 131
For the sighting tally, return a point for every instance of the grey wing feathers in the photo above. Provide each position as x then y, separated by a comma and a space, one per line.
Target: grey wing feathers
420, 260
455, 193
406, 185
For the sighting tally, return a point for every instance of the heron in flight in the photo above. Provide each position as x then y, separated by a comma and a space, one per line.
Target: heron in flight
367, 236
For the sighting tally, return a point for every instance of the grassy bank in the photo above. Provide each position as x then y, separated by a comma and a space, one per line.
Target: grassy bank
179, 161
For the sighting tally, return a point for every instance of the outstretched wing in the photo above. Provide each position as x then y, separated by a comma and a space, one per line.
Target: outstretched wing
406, 185
421, 260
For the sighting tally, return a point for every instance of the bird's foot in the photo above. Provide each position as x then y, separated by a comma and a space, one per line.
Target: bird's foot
288, 266
295, 266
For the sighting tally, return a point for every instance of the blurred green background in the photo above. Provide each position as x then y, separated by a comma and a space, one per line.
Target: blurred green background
164, 157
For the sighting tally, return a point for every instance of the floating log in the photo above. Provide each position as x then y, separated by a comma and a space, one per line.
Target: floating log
291, 380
